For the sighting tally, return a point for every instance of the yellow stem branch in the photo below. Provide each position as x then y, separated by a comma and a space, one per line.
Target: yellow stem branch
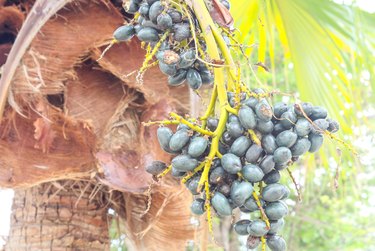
197, 169
231, 110
263, 240
190, 125
254, 137
161, 122
165, 172
262, 213
210, 109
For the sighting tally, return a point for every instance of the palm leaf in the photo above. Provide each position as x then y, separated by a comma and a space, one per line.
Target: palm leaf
324, 51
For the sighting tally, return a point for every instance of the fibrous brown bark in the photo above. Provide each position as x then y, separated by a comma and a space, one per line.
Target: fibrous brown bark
84, 119
58, 216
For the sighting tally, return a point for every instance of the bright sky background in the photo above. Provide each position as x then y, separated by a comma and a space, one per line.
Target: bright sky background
368, 5
6, 196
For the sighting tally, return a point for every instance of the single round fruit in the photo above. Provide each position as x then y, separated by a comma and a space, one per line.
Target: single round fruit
267, 164
333, 126
197, 207
169, 57
252, 205
300, 147
206, 76
181, 32
303, 127
148, 34
263, 111
247, 117
124, 33
279, 109
319, 126
184, 163
318, 113
187, 59
221, 204
156, 167
276, 226
192, 185
227, 139
132, 7
224, 189
282, 155
164, 21
251, 102
241, 192
240, 227
164, 135
240, 146
179, 140
288, 119
155, 10
252, 173
269, 143
212, 124
194, 79
197, 146
177, 173
277, 128
272, 177
303, 109
178, 78
276, 210
316, 141
231, 163
143, 10
286, 138
274, 192
253, 153
264, 127
175, 15
217, 175
276, 243
257, 228
168, 69
226, 4
235, 129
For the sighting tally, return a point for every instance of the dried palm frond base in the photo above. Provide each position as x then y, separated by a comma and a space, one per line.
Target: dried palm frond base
73, 215
70, 117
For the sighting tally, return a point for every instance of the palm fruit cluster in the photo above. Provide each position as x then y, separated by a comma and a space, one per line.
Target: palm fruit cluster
168, 32
256, 145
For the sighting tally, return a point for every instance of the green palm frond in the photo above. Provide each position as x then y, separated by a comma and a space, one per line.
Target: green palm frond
320, 38
324, 51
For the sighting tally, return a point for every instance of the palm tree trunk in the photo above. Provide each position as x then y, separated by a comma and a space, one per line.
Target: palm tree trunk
58, 216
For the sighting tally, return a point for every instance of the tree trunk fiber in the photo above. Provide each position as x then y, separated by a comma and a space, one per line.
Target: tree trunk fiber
52, 216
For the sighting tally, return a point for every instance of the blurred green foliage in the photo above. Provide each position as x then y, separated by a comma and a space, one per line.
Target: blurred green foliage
320, 52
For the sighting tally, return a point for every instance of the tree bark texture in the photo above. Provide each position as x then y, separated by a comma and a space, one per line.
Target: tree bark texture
58, 216
70, 116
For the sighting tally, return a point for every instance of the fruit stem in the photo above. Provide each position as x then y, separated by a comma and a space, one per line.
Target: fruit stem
210, 109
190, 125
262, 213
208, 30
254, 137
207, 205
161, 122
165, 172
197, 169
263, 240
149, 55
231, 110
